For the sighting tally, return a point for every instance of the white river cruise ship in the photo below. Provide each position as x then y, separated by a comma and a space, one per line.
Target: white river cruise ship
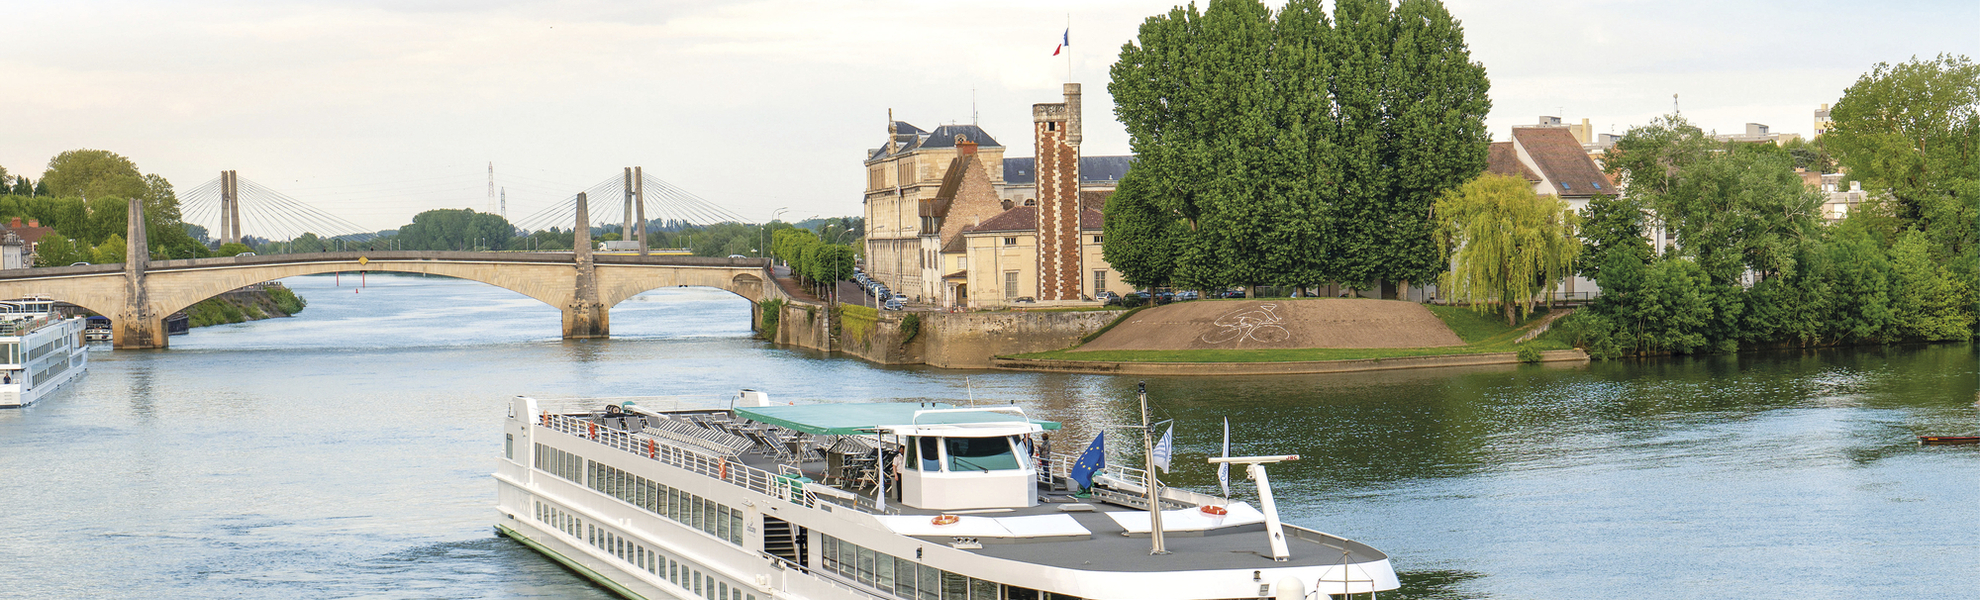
40, 350
885, 501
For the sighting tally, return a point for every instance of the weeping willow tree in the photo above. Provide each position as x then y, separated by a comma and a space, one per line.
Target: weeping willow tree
1506, 243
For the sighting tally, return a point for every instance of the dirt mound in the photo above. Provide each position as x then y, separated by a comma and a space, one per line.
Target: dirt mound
1279, 323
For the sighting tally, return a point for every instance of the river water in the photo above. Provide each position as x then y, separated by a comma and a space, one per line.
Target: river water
346, 452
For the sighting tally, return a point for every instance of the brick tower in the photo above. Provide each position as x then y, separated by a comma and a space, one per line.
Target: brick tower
1056, 127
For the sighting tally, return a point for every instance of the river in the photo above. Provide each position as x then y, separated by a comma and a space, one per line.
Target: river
346, 452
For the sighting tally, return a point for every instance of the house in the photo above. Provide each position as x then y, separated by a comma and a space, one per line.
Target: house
1552, 158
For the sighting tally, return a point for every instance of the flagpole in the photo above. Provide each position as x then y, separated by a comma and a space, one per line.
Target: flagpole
1154, 485
1068, 40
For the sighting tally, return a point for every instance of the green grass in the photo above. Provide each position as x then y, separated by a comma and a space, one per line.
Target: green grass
1484, 333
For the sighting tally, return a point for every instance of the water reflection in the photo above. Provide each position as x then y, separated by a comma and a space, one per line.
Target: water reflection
346, 452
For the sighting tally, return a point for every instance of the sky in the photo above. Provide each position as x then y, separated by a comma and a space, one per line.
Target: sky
375, 110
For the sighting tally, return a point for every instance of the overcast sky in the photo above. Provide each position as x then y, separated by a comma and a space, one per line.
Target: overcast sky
375, 110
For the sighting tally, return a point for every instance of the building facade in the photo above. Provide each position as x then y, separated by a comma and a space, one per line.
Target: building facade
951, 221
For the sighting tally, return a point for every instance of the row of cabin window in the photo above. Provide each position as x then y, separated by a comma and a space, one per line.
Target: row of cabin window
910, 580
559, 520
560, 463
686, 575
684, 508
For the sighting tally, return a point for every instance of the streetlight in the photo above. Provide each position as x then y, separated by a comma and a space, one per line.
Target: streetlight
765, 232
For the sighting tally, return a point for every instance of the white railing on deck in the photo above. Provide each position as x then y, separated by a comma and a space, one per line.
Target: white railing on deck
734, 473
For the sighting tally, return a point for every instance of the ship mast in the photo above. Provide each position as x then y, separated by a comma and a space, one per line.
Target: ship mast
1154, 485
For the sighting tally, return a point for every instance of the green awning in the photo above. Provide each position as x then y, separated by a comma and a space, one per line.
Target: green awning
855, 419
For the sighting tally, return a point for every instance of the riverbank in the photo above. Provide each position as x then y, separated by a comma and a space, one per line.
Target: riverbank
252, 303
1485, 341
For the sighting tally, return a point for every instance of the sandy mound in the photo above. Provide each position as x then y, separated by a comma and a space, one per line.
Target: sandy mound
1279, 323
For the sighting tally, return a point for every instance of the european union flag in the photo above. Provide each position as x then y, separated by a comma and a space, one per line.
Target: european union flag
1090, 461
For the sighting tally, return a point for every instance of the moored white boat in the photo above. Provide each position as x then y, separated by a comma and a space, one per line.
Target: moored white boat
881, 501
40, 350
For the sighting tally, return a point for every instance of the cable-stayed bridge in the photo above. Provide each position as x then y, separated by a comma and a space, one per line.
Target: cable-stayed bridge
138, 294
234, 208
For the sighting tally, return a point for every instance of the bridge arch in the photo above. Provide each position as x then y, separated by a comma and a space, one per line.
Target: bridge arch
171, 286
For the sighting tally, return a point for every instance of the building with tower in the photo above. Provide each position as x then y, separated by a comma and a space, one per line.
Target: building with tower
951, 221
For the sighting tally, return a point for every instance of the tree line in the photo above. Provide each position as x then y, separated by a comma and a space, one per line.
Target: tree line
813, 261
1755, 264
83, 196
1292, 148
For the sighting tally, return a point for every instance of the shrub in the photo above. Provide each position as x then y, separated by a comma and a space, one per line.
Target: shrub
772, 310
1527, 354
910, 327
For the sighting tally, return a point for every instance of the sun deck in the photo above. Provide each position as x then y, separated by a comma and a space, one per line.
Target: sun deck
839, 457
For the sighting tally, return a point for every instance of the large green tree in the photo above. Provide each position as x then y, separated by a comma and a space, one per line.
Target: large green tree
1507, 244
1912, 130
1287, 148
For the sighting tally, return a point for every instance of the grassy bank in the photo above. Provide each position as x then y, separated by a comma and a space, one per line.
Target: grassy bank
1482, 333
245, 306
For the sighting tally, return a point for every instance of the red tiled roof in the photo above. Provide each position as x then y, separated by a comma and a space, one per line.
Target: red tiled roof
1021, 218
1560, 157
1504, 160
1025, 218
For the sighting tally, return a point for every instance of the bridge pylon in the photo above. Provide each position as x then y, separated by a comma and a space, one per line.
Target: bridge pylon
585, 317
137, 326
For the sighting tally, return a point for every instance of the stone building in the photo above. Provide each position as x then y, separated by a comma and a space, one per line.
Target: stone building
927, 192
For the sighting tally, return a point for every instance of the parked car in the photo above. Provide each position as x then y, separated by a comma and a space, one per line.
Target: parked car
894, 304
1132, 299
1233, 293
737, 256
1108, 298
1165, 297
1186, 295
1024, 300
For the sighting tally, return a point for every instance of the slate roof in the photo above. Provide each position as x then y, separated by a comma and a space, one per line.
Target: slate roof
1093, 170
945, 137
1560, 157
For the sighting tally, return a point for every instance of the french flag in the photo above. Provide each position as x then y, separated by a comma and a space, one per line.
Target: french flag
1065, 40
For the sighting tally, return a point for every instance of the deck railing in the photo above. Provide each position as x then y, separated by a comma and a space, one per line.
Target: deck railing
732, 472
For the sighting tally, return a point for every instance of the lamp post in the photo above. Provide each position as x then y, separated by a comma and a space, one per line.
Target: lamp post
765, 233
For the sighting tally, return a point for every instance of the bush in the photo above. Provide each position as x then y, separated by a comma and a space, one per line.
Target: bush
1527, 354
287, 300
772, 311
910, 327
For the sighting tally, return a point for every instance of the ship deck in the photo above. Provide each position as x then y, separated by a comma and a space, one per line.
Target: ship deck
1108, 546
1112, 548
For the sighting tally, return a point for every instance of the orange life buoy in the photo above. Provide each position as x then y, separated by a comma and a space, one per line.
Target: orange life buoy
546, 419
1215, 511
945, 520
725, 468
649, 449
594, 430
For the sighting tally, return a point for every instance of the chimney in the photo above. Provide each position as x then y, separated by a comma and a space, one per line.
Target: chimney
965, 146
16, 224
32, 222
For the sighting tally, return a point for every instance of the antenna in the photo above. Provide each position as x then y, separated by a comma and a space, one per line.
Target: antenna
1674, 104
972, 106
505, 202
491, 186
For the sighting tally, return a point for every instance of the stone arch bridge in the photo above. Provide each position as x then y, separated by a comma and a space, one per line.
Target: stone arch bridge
584, 286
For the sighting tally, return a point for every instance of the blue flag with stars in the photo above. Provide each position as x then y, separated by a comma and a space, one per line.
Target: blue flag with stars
1090, 461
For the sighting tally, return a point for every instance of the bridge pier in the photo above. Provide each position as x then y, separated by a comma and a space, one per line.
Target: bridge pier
137, 326
585, 317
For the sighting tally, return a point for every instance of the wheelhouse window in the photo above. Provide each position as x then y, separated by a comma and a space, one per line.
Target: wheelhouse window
929, 453
980, 454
